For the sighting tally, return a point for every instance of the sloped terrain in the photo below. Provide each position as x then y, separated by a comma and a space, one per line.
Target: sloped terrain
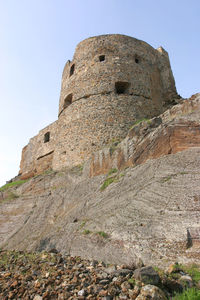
149, 210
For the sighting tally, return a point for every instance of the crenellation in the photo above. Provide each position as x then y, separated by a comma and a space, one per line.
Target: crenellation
112, 81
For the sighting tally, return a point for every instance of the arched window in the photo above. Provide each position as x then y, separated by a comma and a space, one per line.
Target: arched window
67, 101
47, 137
72, 70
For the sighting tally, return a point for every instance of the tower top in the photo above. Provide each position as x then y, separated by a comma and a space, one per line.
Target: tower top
100, 61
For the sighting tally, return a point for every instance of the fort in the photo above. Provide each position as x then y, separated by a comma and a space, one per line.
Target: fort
111, 82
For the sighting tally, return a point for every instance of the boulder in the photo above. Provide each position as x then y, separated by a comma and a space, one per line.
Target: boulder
151, 292
186, 281
147, 275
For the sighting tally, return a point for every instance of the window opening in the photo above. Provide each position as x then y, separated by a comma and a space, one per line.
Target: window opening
137, 60
67, 101
47, 137
121, 87
72, 70
101, 57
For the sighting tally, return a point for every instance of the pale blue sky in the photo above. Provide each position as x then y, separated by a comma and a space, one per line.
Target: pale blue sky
37, 37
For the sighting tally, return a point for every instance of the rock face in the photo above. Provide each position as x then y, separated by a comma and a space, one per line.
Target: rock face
112, 81
148, 211
175, 130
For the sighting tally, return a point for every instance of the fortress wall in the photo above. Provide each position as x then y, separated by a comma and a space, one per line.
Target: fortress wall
112, 81
38, 154
89, 124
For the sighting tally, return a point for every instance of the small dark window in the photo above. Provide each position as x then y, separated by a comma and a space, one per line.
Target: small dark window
67, 101
101, 57
72, 70
121, 87
137, 60
47, 137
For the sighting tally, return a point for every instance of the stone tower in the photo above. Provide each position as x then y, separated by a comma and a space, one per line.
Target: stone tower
112, 81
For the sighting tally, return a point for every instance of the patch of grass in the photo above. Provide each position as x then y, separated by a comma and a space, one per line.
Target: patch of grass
167, 178
58, 228
61, 173
131, 281
77, 169
108, 181
10, 196
54, 187
102, 234
112, 171
112, 150
121, 175
83, 224
48, 171
140, 121
189, 294
11, 184
193, 270
115, 141
80, 167
87, 231
113, 145
159, 271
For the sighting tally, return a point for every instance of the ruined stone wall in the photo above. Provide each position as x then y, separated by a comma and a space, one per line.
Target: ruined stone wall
38, 154
112, 81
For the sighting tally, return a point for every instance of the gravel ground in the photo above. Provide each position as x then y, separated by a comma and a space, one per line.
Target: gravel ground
50, 275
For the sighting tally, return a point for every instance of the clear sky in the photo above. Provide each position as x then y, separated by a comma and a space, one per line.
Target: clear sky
37, 37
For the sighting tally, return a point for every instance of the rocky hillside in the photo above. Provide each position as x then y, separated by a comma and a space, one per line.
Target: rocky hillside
138, 199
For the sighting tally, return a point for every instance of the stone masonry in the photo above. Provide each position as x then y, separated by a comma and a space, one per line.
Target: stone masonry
112, 81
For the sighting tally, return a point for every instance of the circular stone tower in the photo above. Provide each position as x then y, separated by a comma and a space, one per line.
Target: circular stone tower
112, 81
